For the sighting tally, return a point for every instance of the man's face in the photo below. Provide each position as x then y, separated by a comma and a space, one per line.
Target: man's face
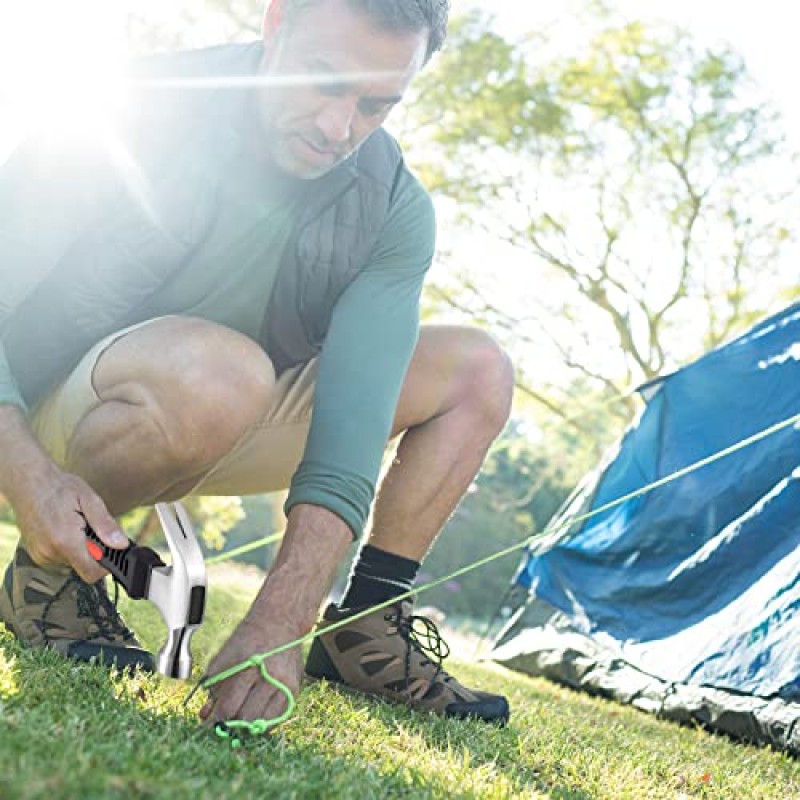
351, 73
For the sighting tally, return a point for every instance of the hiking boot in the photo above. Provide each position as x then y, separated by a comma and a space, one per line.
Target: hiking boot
396, 655
53, 608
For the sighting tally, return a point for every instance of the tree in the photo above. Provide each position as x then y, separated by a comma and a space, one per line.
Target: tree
640, 186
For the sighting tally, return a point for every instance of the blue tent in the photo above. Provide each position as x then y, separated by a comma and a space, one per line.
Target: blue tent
693, 587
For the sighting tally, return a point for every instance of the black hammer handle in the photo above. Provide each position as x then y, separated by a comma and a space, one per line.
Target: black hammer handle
130, 567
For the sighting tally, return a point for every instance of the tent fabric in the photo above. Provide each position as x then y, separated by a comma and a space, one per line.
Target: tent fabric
555, 651
696, 583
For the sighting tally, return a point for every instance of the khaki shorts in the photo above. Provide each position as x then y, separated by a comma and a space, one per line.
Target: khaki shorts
264, 460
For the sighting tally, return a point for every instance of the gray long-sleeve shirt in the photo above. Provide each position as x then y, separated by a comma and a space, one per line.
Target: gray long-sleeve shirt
228, 280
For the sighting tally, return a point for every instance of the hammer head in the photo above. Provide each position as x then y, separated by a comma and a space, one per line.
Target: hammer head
178, 590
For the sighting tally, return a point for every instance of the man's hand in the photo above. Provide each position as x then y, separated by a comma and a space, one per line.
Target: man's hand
52, 517
51, 506
247, 696
285, 609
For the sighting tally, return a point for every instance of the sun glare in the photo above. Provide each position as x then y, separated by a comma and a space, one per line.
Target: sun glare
60, 65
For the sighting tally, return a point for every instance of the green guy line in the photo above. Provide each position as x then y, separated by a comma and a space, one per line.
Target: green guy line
547, 537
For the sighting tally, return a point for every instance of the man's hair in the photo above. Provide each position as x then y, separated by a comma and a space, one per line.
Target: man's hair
402, 16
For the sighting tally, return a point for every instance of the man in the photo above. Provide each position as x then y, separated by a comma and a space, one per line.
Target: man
175, 308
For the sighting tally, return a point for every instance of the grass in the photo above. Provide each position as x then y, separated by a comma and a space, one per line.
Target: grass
77, 731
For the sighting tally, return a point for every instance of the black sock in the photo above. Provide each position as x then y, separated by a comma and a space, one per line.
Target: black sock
378, 576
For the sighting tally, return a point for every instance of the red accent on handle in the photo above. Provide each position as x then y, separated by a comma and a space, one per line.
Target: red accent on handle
95, 551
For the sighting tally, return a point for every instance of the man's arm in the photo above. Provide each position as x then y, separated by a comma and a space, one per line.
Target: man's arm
285, 609
371, 339
366, 354
46, 501
45, 202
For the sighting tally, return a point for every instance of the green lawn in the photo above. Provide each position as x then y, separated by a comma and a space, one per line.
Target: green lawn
70, 731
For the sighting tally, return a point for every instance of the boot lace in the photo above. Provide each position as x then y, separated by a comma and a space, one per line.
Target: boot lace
95, 604
421, 634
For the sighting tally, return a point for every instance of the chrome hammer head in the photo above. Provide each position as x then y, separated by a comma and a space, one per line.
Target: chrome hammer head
178, 590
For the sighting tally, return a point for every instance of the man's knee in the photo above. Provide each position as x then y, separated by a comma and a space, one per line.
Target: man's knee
200, 385
457, 367
485, 376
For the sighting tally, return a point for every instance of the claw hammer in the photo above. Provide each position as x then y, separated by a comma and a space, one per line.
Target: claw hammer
177, 590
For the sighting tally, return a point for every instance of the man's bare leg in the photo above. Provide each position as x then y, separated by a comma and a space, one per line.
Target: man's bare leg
177, 395
165, 421
455, 401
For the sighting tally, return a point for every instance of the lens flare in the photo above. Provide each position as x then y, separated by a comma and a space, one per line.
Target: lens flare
63, 78
60, 65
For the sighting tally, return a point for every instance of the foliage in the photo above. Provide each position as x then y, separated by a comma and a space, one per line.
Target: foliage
73, 731
639, 183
